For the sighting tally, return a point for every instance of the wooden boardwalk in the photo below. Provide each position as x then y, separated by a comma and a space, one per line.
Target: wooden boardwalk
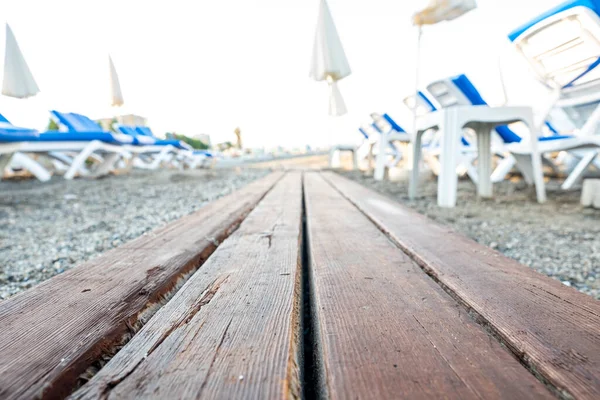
301, 285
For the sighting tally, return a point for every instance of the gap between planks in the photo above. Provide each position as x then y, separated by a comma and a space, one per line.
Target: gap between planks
387, 330
233, 330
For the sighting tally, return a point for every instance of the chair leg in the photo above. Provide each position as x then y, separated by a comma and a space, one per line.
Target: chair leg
107, 165
467, 163
523, 162
79, 160
32, 166
503, 168
4, 162
380, 160
591, 124
581, 167
416, 160
450, 139
484, 164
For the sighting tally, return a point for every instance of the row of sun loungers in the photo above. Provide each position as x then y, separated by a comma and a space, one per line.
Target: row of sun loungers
81, 147
562, 47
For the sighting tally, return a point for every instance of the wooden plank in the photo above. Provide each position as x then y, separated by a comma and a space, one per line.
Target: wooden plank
553, 329
231, 331
52, 333
387, 330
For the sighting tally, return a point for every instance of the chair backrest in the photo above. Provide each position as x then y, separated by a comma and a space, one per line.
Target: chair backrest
76, 122
562, 47
144, 130
460, 91
364, 132
385, 123
421, 102
127, 130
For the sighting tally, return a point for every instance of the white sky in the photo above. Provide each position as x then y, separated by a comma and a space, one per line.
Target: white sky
209, 66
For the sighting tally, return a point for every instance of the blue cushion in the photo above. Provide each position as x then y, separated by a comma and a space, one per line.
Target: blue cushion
138, 139
464, 84
144, 130
57, 136
557, 137
6, 137
593, 5
204, 152
76, 122
393, 123
427, 101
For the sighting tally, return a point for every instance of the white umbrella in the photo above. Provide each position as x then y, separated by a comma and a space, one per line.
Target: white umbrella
116, 97
443, 10
18, 80
329, 61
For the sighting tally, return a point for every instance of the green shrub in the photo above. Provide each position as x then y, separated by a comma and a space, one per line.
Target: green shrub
195, 143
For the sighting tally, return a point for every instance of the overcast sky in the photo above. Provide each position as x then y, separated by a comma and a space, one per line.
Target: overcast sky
209, 66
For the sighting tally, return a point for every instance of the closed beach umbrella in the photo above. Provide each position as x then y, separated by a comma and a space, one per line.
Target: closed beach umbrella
18, 80
116, 97
329, 61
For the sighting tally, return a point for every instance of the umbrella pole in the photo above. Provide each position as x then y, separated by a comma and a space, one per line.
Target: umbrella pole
420, 31
414, 126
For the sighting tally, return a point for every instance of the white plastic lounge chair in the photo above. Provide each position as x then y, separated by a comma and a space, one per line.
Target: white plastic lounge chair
193, 158
459, 91
156, 153
17, 142
431, 140
562, 48
389, 132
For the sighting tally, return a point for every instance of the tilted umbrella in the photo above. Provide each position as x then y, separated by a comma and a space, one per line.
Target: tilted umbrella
116, 96
329, 61
18, 80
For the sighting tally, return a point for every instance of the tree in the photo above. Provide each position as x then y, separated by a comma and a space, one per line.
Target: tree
195, 143
52, 125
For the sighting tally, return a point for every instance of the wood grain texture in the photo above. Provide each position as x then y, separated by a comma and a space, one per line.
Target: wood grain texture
55, 331
231, 331
550, 327
387, 330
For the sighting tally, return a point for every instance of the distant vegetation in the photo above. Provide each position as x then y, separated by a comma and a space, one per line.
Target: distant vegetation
52, 126
195, 143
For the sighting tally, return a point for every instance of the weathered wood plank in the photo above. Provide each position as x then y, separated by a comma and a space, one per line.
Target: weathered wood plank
386, 329
552, 328
231, 331
52, 333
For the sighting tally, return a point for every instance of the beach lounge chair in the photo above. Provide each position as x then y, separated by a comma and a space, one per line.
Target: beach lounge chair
460, 91
562, 48
193, 158
431, 140
389, 133
16, 143
154, 149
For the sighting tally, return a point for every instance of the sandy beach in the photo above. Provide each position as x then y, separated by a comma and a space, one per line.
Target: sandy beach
48, 228
559, 238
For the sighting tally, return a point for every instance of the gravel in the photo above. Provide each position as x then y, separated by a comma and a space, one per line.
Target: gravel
48, 228
559, 238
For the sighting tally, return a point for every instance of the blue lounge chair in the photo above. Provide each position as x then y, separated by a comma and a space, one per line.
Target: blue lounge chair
17, 142
460, 91
197, 158
562, 47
